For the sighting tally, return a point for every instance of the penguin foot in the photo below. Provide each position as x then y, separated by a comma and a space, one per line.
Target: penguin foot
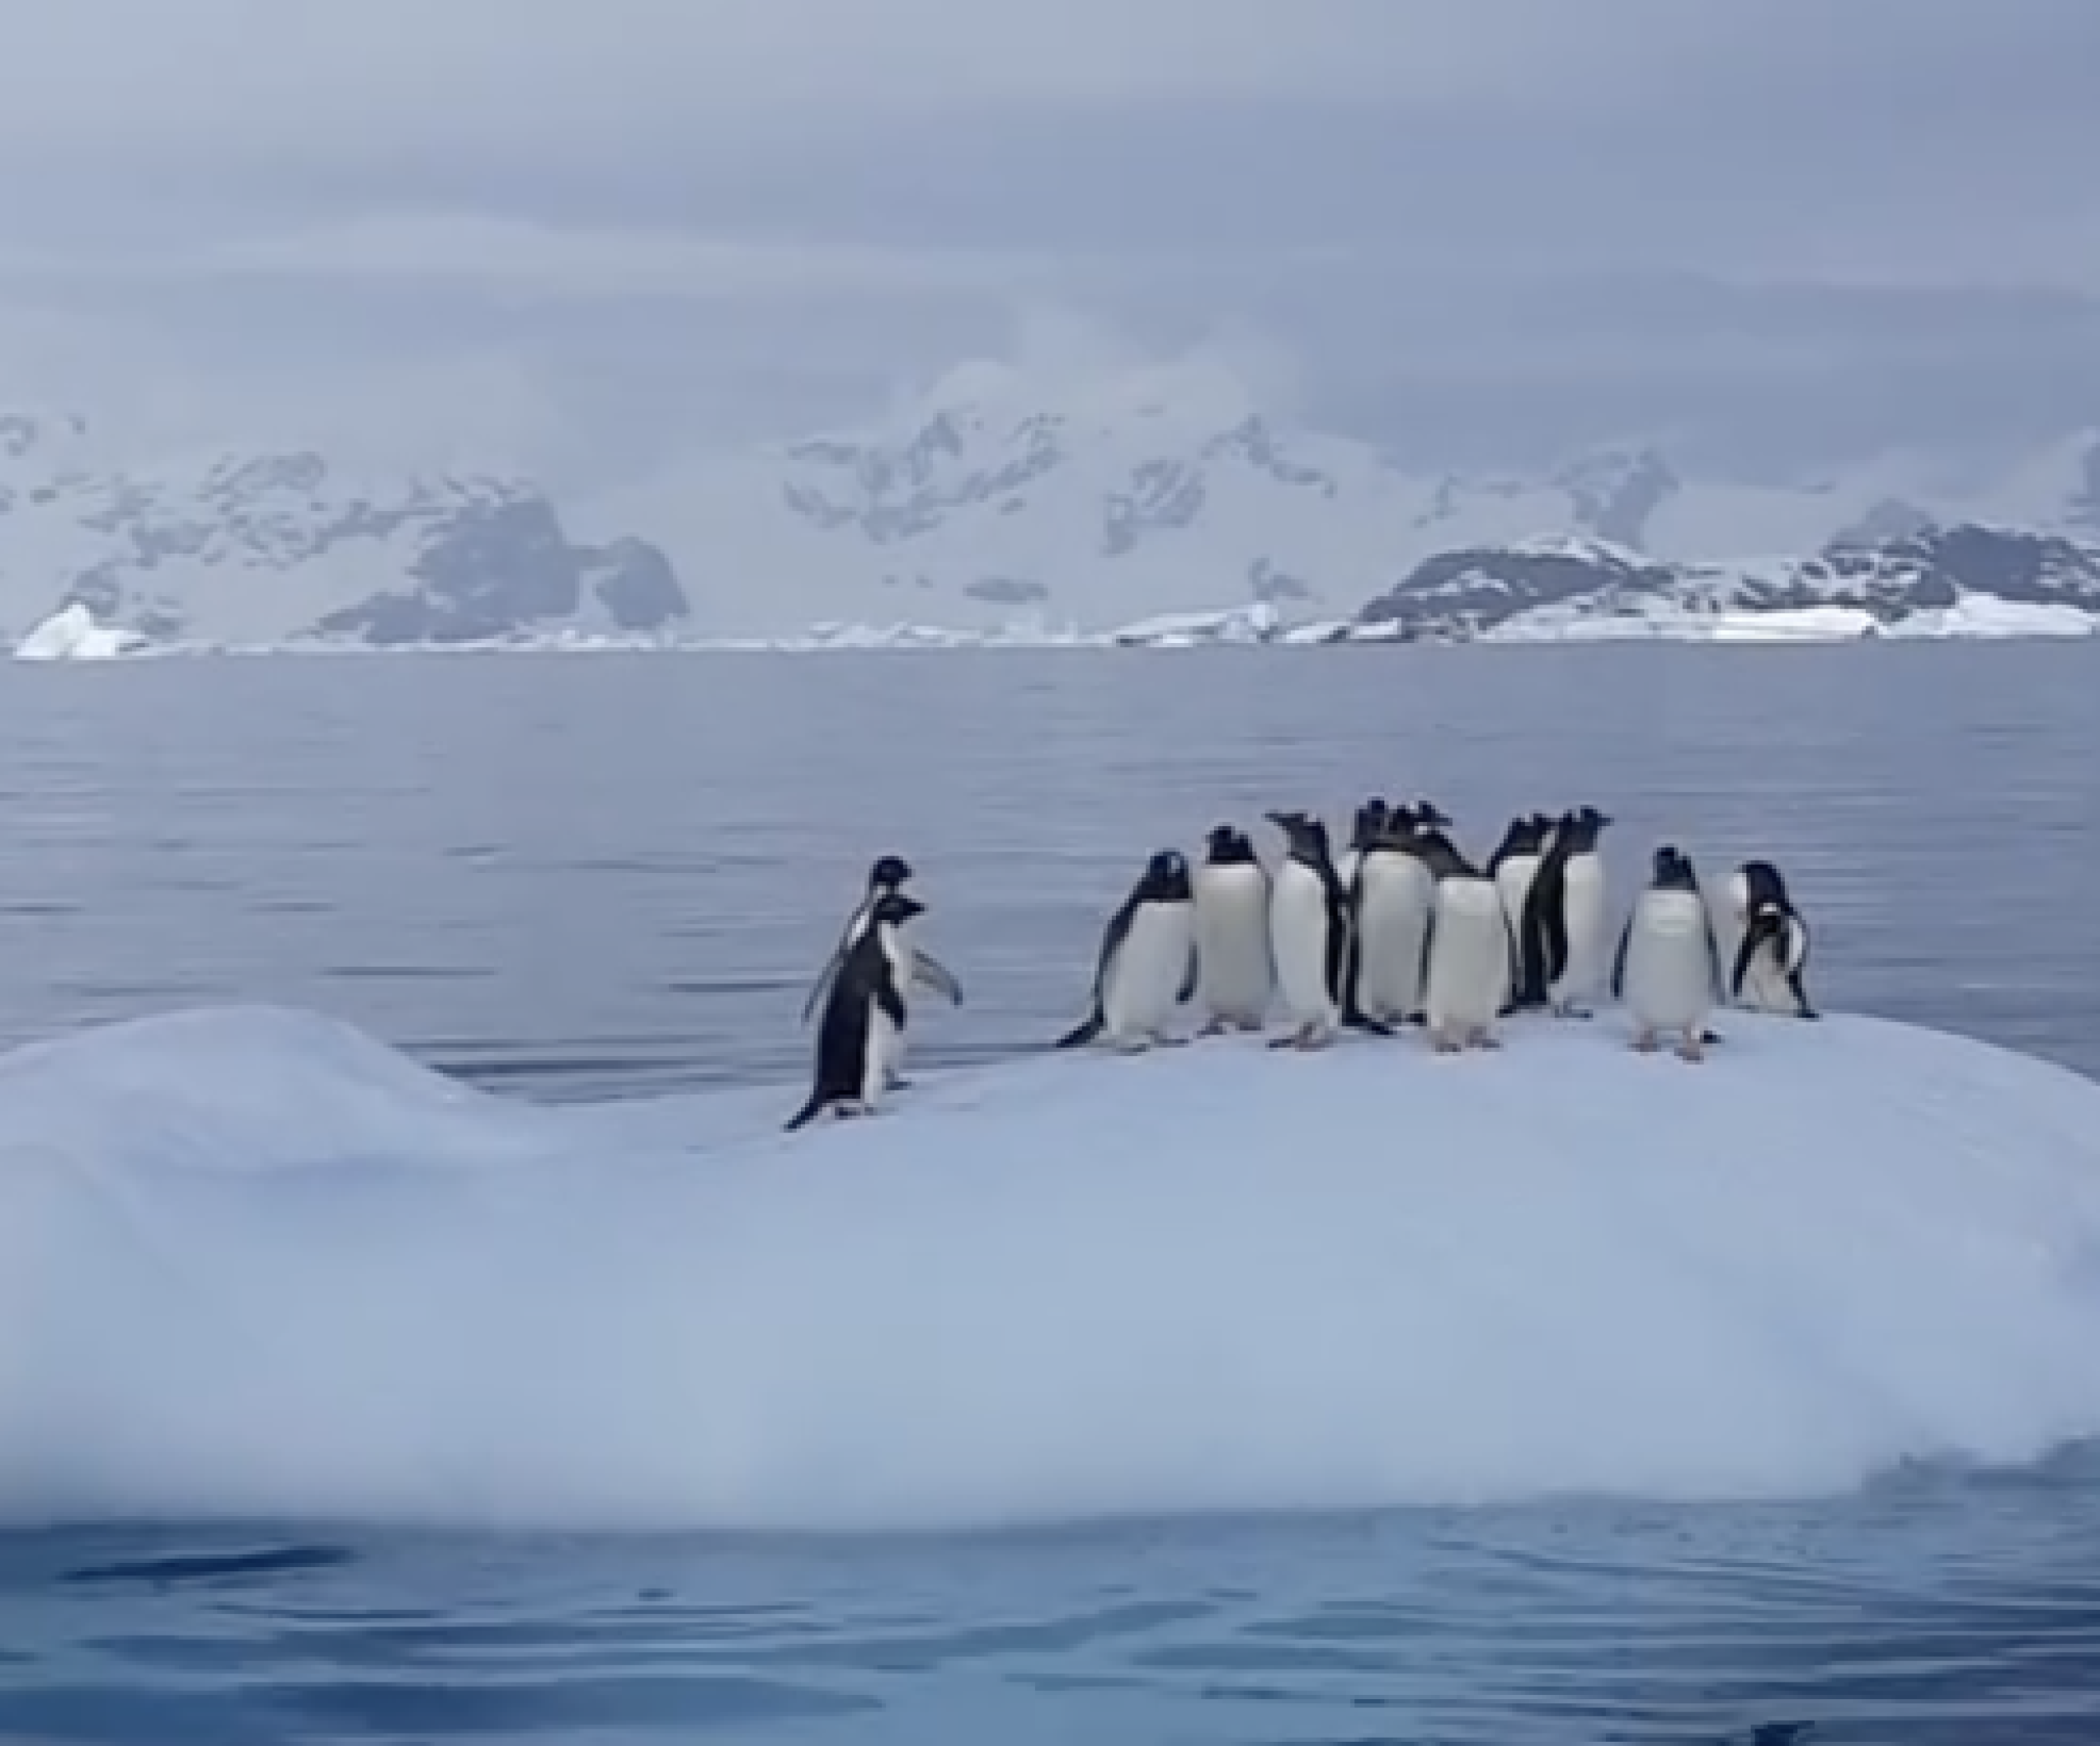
1487, 1039
1215, 1028
1289, 1039
1131, 1045
1645, 1042
1691, 1049
1172, 1042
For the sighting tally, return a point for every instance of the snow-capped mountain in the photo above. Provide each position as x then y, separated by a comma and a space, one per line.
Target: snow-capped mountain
997, 504
997, 498
1966, 579
231, 548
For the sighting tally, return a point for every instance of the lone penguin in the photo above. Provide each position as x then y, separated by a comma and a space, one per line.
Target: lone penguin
888, 874
864, 1015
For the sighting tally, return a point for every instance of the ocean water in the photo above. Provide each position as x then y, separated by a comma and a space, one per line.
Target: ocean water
585, 878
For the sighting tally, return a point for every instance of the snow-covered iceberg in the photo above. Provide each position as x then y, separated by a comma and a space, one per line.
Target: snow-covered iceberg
254, 1264
72, 633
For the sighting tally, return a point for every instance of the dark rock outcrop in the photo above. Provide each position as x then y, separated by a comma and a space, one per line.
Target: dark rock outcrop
1460, 595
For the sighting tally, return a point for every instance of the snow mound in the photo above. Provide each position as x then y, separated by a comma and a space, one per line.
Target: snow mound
253, 1263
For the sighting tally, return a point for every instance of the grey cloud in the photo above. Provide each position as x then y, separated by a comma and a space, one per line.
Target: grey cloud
1472, 226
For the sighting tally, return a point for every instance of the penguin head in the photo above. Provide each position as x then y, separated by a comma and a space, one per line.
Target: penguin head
1429, 813
1303, 830
1672, 869
1370, 823
889, 873
1763, 883
1523, 836
1166, 876
1228, 842
895, 908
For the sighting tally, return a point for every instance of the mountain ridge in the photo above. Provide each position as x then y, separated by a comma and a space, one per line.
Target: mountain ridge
997, 504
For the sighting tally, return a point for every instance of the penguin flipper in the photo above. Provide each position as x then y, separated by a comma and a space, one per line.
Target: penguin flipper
825, 978
1619, 959
1084, 1032
807, 1113
928, 971
1806, 1007
1753, 937
1186, 992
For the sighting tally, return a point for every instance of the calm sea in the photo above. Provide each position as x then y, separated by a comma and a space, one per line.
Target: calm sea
590, 877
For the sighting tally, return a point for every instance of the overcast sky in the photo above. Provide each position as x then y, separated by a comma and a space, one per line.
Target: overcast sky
572, 226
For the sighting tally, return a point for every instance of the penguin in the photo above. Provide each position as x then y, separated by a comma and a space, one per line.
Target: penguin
1514, 863
1471, 964
1772, 955
1668, 968
1562, 937
1366, 829
1234, 967
1148, 962
890, 873
1309, 937
864, 1014
1390, 905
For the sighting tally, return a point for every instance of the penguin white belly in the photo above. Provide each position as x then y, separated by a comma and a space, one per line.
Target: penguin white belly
1469, 975
1235, 970
1725, 910
1670, 979
1513, 879
885, 1039
1297, 937
885, 1051
1345, 866
1394, 900
1765, 988
1767, 984
1583, 906
1143, 983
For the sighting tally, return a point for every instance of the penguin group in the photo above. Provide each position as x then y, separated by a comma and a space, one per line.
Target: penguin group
1399, 928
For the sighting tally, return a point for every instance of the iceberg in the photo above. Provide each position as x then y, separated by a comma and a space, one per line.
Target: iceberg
254, 1264
72, 633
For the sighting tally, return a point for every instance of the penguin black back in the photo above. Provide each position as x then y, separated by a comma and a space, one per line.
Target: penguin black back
1542, 945
866, 982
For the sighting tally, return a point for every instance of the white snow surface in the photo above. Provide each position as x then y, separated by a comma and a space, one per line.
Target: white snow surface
254, 1264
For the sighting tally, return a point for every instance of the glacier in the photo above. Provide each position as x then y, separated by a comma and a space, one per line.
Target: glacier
254, 1264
